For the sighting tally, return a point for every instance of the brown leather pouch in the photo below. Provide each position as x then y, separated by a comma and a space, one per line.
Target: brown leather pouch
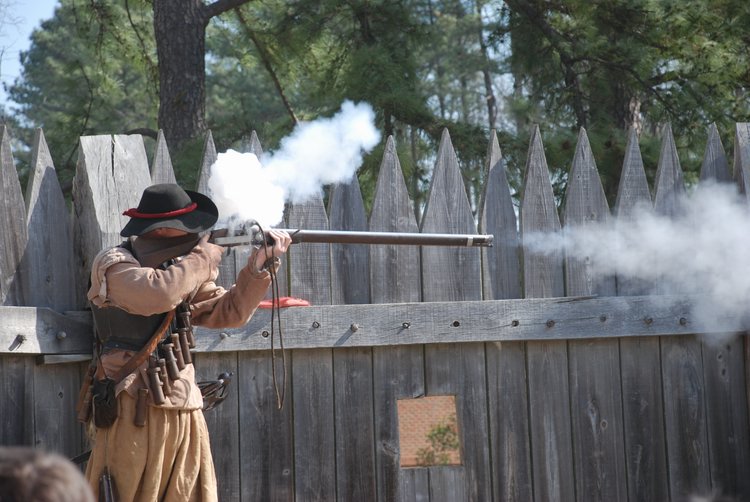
105, 403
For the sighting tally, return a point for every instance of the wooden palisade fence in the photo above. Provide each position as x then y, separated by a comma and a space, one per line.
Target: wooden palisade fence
568, 387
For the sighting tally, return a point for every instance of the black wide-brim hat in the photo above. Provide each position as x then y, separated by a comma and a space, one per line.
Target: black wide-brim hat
167, 205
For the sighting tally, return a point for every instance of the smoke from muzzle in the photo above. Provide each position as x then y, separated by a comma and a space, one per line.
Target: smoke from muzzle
315, 154
703, 250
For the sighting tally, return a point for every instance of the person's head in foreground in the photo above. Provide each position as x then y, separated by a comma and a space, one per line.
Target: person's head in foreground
31, 475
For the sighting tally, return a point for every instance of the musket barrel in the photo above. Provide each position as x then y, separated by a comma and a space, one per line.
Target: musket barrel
357, 237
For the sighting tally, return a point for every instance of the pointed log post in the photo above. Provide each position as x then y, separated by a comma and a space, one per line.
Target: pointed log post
162, 170
682, 368
13, 233
312, 392
549, 410
453, 274
723, 371
643, 409
506, 362
51, 273
397, 371
596, 401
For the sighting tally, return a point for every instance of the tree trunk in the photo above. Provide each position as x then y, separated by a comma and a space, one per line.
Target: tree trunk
179, 29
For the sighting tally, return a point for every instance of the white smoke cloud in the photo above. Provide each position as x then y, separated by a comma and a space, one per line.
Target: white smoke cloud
316, 154
701, 251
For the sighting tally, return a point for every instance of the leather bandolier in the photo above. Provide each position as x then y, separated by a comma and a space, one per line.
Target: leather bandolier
118, 329
167, 356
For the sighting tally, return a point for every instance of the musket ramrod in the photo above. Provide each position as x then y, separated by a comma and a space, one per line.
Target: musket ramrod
254, 237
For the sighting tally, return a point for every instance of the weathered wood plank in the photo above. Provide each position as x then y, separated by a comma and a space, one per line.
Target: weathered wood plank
547, 363
31, 330
506, 362
50, 273
727, 415
394, 270
685, 418
456, 369
162, 170
310, 264
459, 370
447, 210
352, 368
398, 372
13, 233
224, 423
669, 185
723, 368
682, 368
640, 364
17, 391
355, 427
51, 282
312, 389
742, 157
208, 159
509, 421
585, 204
715, 166
398, 324
55, 395
350, 263
596, 401
111, 174
447, 484
266, 432
501, 262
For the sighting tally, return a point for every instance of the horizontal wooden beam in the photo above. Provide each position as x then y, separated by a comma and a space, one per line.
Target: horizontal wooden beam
36, 330
46, 332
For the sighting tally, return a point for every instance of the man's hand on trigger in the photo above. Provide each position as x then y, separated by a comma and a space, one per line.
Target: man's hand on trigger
214, 251
261, 256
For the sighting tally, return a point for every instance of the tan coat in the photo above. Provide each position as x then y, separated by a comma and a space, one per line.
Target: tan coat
169, 458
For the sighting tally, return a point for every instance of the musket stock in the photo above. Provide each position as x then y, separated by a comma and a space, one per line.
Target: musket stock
222, 238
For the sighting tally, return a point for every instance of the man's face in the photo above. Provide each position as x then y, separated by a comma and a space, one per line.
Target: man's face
164, 233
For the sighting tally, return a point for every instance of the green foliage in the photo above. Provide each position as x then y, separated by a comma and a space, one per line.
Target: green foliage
607, 66
444, 440
73, 85
424, 66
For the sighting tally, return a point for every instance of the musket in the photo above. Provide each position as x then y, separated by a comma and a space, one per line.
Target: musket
253, 236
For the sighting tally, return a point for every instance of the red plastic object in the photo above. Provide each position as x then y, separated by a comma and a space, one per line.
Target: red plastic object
285, 301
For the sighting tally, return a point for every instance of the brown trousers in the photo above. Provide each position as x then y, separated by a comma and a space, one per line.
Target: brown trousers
169, 459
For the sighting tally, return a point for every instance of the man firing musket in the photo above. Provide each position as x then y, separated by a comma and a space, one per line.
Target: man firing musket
146, 295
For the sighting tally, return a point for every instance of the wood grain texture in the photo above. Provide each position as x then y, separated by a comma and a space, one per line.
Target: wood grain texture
715, 166
350, 263
162, 170
723, 366
454, 275
501, 276
449, 273
17, 411
312, 389
50, 279
111, 174
547, 363
395, 271
397, 324
13, 233
267, 460
682, 366
596, 400
741, 164
398, 372
640, 362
